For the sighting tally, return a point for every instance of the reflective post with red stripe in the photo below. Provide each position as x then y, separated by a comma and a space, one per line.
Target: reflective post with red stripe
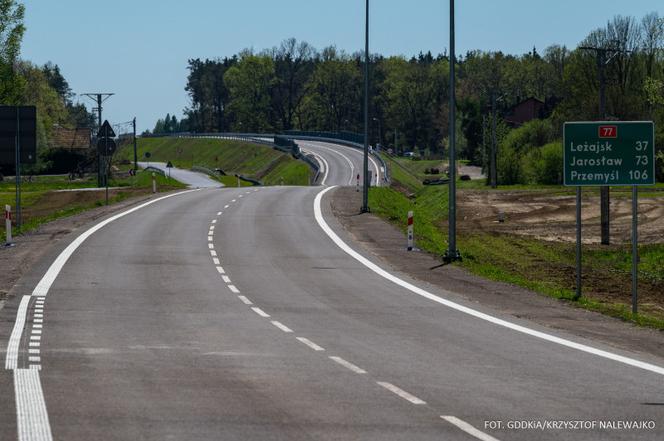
8, 223
411, 237
357, 187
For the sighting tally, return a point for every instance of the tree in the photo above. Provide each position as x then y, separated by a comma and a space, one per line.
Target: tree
249, 83
11, 30
335, 92
293, 64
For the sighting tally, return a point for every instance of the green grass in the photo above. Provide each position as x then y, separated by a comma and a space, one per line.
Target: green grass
544, 267
233, 157
40, 204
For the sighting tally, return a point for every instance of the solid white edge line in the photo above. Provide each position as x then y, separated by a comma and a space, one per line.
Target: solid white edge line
402, 393
470, 430
352, 167
31, 414
281, 326
31, 409
348, 365
11, 361
260, 312
309, 343
466, 310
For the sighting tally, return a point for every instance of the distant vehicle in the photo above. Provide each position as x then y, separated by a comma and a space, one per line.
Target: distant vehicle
408, 154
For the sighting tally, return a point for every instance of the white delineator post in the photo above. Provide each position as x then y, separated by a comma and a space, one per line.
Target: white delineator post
8, 223
411, 237
357, 186
154, 183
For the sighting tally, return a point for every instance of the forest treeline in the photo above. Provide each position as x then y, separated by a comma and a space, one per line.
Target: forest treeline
295, 86
23, 83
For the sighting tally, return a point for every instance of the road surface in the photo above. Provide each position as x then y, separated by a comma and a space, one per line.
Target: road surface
342, 163
249, 314
191, 178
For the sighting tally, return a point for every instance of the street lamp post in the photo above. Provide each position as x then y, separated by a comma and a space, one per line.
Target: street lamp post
365, 192
452, 253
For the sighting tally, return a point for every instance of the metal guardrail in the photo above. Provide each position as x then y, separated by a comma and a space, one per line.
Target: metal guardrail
280, 142
155, 170
207, 171
386, 175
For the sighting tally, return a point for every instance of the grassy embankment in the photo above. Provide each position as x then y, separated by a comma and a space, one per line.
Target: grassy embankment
259, 162
544, 267
42, 202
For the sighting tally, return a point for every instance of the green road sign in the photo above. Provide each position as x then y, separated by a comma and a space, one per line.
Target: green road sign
609, 153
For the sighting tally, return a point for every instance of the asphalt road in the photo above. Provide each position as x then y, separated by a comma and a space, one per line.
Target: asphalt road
342, 163
191, 178
231, 314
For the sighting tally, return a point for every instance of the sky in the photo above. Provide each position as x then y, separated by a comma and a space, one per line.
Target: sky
138, 49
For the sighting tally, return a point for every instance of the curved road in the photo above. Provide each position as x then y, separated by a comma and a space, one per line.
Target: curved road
249, 314
341, 164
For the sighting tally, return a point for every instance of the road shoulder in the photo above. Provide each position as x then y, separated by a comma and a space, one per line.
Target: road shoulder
387, 243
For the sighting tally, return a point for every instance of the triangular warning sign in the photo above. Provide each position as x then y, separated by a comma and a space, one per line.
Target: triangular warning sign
169, 165
106, 131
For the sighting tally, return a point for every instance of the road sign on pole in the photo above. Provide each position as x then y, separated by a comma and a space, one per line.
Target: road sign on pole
106, 131
609, 153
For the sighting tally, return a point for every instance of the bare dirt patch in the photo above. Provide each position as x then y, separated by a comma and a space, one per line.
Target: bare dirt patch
551, 217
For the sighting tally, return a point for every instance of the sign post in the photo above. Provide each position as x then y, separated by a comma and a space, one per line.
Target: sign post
105, 148
18, 143
411, 235
8, 224
609, 154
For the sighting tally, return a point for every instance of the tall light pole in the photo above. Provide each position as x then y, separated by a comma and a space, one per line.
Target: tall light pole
452, 253
365, 168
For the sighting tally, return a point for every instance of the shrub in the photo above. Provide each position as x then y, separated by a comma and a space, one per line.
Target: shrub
535, 133
510, 168
544, 165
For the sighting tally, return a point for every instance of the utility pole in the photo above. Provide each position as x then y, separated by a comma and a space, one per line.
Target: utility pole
99, 99
603, 57
494, 147
135, 150
452, 253
365, 193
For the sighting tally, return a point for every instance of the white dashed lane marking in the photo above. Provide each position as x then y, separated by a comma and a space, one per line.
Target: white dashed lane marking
402, 393
226, 279
220, 270
260, 312
213, 253
234, 289
348, 365
245, 300
311, 344
281, 326
215, 260
468, 428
